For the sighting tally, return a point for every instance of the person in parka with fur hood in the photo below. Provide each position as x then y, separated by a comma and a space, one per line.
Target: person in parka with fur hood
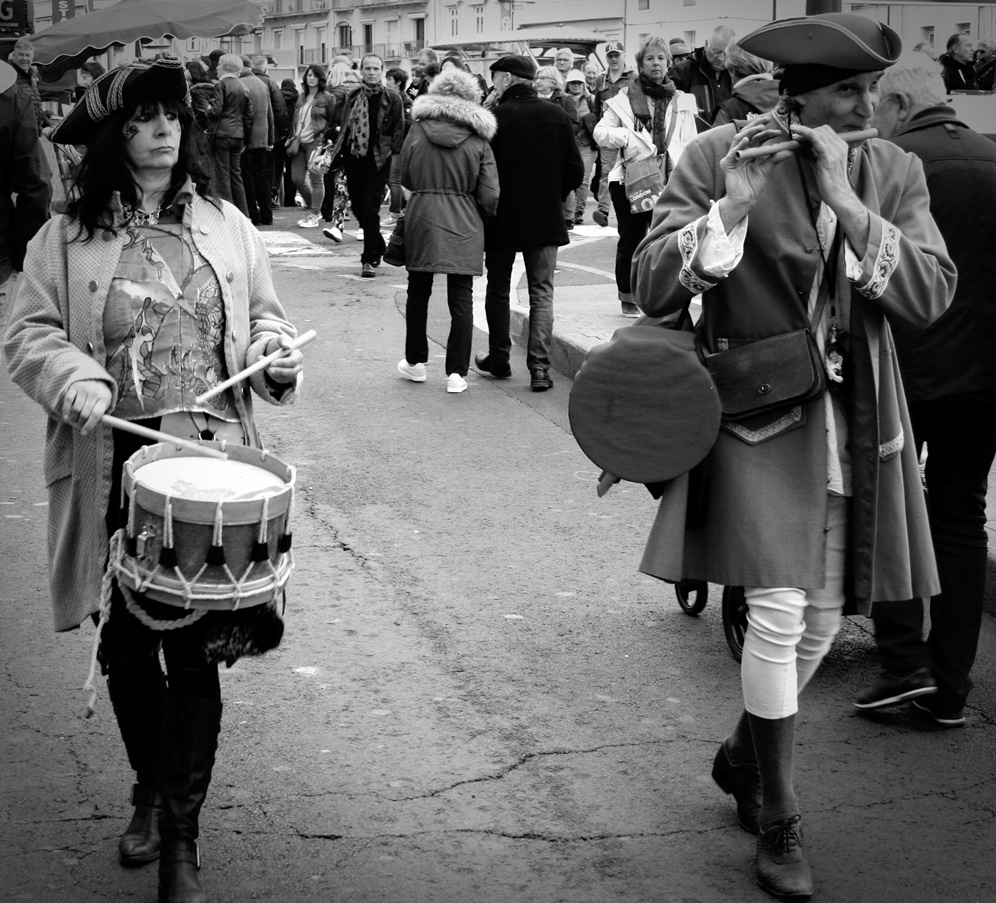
448, 165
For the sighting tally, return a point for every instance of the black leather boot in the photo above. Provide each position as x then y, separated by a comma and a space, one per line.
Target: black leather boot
137, 690
140, 842
186, 757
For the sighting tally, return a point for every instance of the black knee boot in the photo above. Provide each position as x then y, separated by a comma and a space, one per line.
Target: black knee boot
186, 757
137, 690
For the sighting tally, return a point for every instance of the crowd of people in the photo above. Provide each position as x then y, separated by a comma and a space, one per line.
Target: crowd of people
865, 248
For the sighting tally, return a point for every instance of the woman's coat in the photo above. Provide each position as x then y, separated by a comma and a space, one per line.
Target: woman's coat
753, 514
55, 339
617, 128
448, 165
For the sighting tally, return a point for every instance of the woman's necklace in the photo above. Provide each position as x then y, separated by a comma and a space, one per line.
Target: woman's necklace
141, 217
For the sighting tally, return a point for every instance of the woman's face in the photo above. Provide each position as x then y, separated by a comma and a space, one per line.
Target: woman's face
655, 64
311, 79
846, 106
84, 78
152, 139
545, 84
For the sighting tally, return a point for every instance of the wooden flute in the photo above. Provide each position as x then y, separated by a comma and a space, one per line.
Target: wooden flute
766, 150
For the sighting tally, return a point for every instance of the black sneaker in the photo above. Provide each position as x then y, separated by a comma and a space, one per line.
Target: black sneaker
892, 689
946, 714
601, 217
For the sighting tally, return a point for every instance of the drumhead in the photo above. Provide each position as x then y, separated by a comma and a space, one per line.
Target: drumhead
208, 479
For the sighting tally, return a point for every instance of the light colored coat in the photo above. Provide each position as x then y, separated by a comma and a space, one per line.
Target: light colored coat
617, 128
754, 513
54, 339
448, 165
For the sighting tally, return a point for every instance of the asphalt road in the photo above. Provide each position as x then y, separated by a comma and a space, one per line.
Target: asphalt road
478, 698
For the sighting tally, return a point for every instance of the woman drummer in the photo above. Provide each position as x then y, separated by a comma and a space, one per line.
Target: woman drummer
144, 295
819, 501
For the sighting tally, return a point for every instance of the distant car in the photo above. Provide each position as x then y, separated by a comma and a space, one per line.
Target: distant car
480, 51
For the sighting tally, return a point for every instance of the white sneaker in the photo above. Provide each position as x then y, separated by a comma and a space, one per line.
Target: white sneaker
455, 383
359, 235
310, 221
414, 372
333, 233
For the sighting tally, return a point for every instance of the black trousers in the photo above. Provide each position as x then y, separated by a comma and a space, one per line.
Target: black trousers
256, 179
460, 298
365, 184
632, 228
960, 434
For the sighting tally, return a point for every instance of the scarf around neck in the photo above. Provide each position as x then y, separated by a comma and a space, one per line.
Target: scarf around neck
642, 88
359, 120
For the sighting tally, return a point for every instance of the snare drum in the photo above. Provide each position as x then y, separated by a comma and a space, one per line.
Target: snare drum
203, 532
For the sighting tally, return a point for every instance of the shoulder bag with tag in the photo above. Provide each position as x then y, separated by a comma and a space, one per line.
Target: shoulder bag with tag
645, 178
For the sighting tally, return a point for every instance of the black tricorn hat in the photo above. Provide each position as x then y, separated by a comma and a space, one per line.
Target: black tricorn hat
161, 80
841, 40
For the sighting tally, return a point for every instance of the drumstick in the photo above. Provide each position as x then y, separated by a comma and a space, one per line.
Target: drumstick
767, 149
130, 427
302, 339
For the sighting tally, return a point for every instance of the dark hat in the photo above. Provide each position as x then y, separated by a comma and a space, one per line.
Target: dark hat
839, 40
120, 89
643, 406
522, 66
216, 54
614, 47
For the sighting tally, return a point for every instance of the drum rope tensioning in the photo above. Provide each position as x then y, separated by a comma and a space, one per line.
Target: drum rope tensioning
199, 534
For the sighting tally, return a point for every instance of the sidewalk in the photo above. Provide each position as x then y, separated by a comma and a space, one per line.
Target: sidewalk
585, 316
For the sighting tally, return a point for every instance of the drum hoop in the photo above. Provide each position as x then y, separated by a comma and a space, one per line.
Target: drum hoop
203, 511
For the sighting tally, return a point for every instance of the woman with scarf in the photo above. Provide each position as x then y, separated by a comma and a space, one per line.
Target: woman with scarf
648, 119
819, 500
376, 123
310, 120
342, 85
146, 293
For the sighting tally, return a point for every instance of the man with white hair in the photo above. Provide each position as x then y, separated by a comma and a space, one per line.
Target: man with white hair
949, 374
564, 61
704, 74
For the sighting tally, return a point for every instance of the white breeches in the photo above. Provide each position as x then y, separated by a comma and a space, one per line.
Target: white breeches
789, 630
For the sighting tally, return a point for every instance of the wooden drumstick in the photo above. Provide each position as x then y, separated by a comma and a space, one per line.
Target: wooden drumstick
166, 438
766, 150
301, 340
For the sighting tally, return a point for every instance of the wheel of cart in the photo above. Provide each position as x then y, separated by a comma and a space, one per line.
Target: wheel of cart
692, 595
734, 619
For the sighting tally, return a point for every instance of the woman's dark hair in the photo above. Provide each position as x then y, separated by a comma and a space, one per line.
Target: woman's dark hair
93, 68
456, 61
431, 70
198, 72
104, 168
399, 75
320, 74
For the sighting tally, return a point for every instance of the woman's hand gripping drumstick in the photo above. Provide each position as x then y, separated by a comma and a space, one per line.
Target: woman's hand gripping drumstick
282, 365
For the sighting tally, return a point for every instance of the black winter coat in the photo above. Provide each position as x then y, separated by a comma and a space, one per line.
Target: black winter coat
711, 88
538, 166
954, 355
